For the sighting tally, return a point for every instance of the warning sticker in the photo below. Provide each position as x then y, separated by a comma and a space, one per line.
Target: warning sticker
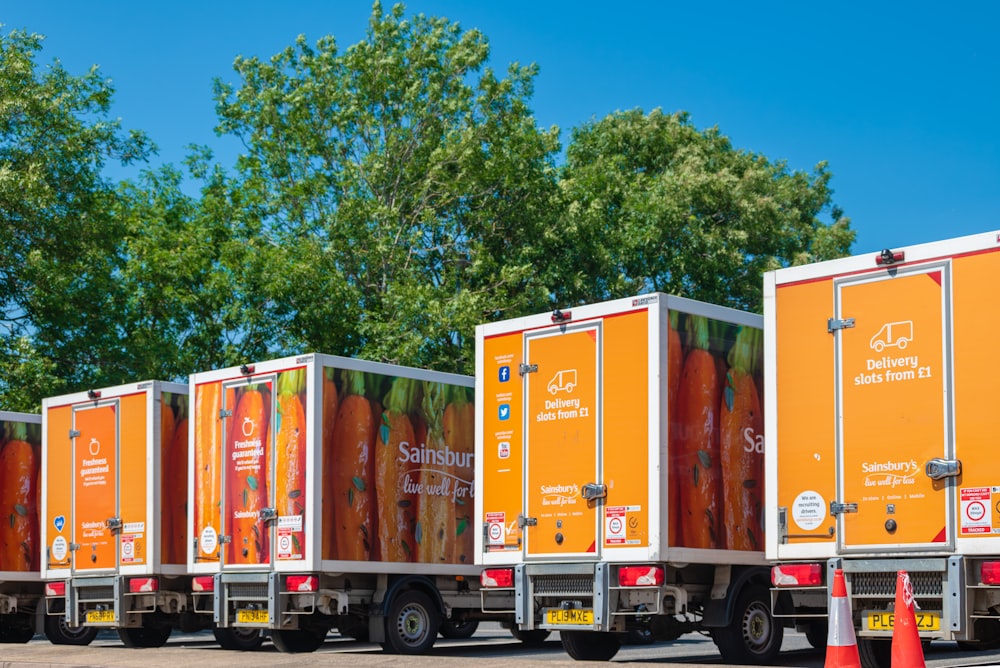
977, 511
495, 528
128, 548
620, 525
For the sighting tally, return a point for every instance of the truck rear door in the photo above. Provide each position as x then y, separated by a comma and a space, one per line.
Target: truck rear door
894, 409
563, 477
248, 456
95, 446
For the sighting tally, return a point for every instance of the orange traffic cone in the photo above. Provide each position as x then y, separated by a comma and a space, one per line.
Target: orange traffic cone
841, 644
907, 651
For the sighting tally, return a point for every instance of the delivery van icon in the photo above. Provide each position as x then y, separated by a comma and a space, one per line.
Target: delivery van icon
563, 381
897, 334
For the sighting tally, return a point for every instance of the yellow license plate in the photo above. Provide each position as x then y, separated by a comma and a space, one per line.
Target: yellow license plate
884, 621
251, 616
560, 616
100, 616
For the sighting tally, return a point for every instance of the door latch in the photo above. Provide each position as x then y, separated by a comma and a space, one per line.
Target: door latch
837, 508
939, 469
594, 490
114, 524
523, 521
523, 369
268, 514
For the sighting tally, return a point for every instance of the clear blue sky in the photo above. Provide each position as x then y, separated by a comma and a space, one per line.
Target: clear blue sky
902, 99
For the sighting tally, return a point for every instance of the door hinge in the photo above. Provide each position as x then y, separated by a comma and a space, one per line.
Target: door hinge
939, 469
225, 539
594, 490
268, 514
73, 433
73, 547
224, 414
114, 524
527, 368
833, 324
523, 521
837, 508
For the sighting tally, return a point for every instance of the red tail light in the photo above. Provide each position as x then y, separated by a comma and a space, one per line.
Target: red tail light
640, 576
990, 572
55, 588
302, 583
143, 585
497, 577
797, 575
203, 583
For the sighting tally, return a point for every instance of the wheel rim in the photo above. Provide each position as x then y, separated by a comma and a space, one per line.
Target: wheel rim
412, 624
756, 627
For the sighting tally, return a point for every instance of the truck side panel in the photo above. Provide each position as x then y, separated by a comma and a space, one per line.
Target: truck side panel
626, 424
977, 421
805, 473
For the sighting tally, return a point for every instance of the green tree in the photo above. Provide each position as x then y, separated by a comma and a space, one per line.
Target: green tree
57, 239
653, 204
187, 297
402, 185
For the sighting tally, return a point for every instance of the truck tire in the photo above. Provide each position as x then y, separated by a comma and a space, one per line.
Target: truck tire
59, 634
875, 652
153, 635
458, 630
532, 638
17, 628
412, 624
297, 641
238, 638
590, 645
816, 634
752, 636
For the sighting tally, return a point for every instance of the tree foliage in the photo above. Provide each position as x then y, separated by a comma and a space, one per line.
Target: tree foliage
653, 204
390, 196
57, 240
402, 184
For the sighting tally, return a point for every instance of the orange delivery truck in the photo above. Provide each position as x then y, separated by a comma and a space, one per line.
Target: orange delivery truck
113, 516
333, 493
881, 426
20, 576
619, 449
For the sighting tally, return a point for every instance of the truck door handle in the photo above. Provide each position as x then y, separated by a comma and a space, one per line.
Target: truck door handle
594, 490
939, 469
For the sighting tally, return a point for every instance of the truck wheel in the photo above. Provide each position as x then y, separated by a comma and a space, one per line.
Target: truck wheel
353, 627
458, 630
590, 645
18, 628
59, 634
752, 636
816, 634
297, 641
412, 624
875, 652
532, 638
154, 635
238, 638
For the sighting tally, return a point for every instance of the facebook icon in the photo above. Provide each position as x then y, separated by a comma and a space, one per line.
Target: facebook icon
504, 374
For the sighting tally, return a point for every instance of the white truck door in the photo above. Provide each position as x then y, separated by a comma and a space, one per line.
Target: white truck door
894, 410
563, 486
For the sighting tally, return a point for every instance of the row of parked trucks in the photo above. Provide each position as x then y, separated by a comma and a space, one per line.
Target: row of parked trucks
611, 472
